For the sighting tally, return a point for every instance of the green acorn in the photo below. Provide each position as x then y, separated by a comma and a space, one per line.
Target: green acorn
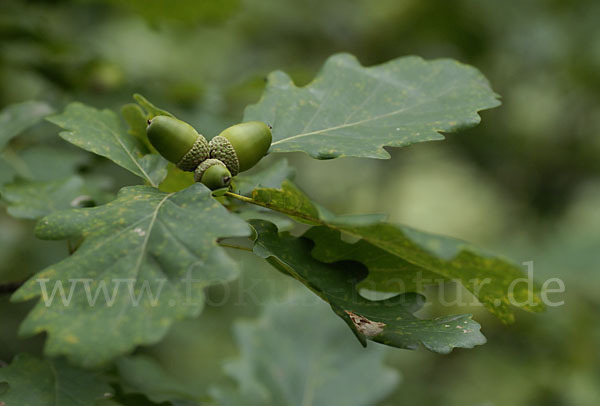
213, 174
178, 142
241, 146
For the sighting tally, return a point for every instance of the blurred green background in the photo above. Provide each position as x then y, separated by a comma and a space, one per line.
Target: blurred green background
524, 183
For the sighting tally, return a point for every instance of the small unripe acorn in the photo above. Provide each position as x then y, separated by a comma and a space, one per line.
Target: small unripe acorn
241, 146
213, 174
178, 142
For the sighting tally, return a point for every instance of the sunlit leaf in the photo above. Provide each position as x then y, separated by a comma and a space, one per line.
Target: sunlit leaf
176, 179
137, 121
143, 263
351, 110
103, 133
151, 109
271, 176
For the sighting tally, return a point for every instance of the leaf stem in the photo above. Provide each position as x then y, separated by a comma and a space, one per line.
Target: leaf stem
237, 247
288, 212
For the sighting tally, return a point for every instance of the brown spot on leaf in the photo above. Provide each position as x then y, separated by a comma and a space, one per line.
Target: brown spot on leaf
365, 326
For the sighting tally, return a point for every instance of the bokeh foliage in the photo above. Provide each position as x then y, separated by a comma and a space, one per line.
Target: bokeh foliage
525, 182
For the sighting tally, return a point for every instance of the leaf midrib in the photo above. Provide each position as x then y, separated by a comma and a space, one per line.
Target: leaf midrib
129, 227
124, 147
366, 120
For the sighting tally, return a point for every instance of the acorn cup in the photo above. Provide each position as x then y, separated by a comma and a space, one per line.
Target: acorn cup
241, 146
234, 150
213, 174
178, 142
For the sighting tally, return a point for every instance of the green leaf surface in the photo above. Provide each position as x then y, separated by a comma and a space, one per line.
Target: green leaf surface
103, 133
283, 223
291, 201
43, 162
40, 163
387, 272
430, 259
391, 322
16, 118
50, 382
489, 278
143, 263
7, 172
34, 200
297, 353
351, 110
176, 179
142, 374
137, 116
151, 109
137, 121
271, 176
390, 272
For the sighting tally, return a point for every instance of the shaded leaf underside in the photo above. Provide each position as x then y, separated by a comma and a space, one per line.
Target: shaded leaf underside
389, 322
405, 253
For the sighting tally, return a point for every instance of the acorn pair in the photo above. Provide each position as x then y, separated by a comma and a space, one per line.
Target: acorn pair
235, 149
